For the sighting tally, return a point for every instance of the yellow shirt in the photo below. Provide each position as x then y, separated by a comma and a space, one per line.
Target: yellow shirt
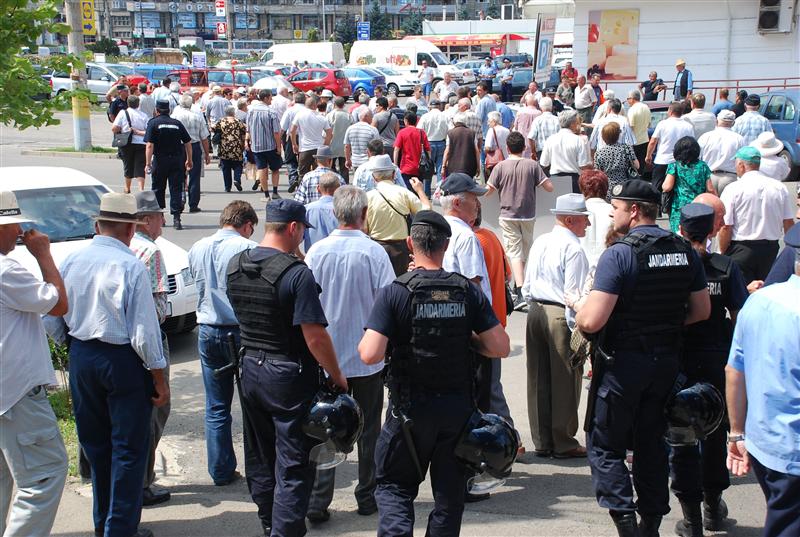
383, 222
639, 118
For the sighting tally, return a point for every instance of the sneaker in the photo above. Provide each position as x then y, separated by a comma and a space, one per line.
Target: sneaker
176, 223
293, 186
275, 196
256, 185
520, 304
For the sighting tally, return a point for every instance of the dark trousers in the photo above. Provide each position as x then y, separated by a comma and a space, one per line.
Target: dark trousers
399, 255
194, 175
169, 171
111, 393
483, 383
158, 420
438, 421
306, 162
659, 174
290, 159
573, 178
505, 92
231, 173
629, 413
754, 258
339, 167
280, 476
782, 492
368, 393
640, 151
701, 469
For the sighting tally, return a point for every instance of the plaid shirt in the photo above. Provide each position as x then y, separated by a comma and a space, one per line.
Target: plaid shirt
542, 128
750, 125
307, 190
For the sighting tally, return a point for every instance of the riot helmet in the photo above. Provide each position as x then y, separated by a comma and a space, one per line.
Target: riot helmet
693, 414
488, 445
336, 420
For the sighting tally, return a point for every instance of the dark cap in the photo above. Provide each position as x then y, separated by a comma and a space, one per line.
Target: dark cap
636, 190
122, 87
433, 219
457, 183
162, 105
697, 221
753, 100
286, 210
792, 237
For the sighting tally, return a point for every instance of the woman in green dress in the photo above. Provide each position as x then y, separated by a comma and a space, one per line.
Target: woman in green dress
688, 176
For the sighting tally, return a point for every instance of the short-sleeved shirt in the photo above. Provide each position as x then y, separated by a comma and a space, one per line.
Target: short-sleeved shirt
167, 136
320, 215
647, 88
426, 75
116, 106
498, 269
565, 152
194, 122
339, 121
516, 180
391, 314
702, 121
383, 221
615, 160
722, 104
385, 123
464, 254
542, 128
639, 116
233, 133
410, 142
485, 105
625, 136
756, 206
668, 132
150, 254
690, 182
262, 125
750, 125
718, 147
138, 121
311, 127
357, 136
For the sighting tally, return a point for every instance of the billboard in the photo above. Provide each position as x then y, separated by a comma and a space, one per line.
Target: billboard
545, 39
613, 43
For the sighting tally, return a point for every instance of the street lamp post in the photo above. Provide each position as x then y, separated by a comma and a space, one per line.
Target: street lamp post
324, 38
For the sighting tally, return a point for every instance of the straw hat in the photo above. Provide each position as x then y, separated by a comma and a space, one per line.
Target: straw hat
10, 212
116, 207
767, 144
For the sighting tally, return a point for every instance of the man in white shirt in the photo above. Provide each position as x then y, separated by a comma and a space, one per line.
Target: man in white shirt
758, 211
772, 165
543, 127
27, 369
363, 179
585, 99
717, 148
426, 79
613, 113
445, 87
310, 130
639, 116
289, 156
533, 90
281, 102
702, 121
434, 123
602, 110
566, 152
556, 268
665, 136
351, 268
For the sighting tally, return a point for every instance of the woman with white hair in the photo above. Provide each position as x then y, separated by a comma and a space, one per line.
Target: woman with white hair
495, 145
133, 121
602, 110
174, 95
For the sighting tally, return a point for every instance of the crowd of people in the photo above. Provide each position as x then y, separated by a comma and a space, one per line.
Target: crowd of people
387, 290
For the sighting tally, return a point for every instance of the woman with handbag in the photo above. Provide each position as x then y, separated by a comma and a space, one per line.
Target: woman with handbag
687, 178
128, 128
411, 148
616, 160
495, 146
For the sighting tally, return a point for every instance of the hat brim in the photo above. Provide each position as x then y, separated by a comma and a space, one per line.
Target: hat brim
318, 156
120, 219
4, 220
769, 151
567, 212
387, 169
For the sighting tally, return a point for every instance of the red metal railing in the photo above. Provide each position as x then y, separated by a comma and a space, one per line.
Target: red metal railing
711, 87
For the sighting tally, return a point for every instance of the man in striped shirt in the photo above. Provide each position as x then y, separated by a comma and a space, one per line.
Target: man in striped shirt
264, 140
308, 191
543, 127
356, 138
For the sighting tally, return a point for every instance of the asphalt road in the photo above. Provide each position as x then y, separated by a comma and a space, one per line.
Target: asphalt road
541, 498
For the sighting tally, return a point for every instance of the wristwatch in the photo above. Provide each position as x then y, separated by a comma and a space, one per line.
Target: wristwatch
735, 438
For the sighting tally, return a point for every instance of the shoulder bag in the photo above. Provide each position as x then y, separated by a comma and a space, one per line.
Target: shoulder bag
406, 217
426, 167
668, 197
494, 156
122, 139
632, 172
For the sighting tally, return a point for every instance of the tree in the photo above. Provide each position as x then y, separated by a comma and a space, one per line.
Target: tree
104, 45
21, 24
493, 11
464, 14
345, 30
412, 25
379, 25
313, 35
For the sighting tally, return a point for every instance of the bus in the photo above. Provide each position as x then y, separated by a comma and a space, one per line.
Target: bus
242, 48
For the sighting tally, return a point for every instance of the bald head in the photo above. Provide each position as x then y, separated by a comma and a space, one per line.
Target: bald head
530, 100
715, 203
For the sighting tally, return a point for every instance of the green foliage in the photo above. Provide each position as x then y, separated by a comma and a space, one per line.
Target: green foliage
379, 22
22, 22
463, 13
345, 30
104, 45
59, 355
62, 408
94, 149
188, 49
412, 25
313, 35
493, 10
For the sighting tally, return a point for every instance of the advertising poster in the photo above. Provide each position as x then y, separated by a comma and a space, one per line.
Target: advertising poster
613, 43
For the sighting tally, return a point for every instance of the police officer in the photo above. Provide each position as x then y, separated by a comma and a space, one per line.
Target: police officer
430, 320
284, 343
647, 286
699, 472
170, 144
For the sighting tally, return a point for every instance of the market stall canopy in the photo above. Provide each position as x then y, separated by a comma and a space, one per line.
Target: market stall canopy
465, 40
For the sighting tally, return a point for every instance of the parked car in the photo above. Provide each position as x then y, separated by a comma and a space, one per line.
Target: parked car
156, 72
330, 79
364, 80
517, 60
63, 202
200, 80
519, 84
397, 82
273, 83
282, 70
46, 75
473, 65
780, 107
100, 77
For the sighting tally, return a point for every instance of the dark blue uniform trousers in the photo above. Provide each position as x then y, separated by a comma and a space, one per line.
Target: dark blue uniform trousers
701, 468
279, 474
194, 175
169, 171
782, 492
111, 393
438, 421
629, 413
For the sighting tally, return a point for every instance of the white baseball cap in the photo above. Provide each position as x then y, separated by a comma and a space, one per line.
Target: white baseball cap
10, 212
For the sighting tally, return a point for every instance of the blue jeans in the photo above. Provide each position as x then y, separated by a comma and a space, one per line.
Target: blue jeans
437, 155
194, 175
211, 342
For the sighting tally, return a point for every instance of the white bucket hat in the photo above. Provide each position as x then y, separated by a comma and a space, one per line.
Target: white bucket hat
117, 207
767, 144
10, 212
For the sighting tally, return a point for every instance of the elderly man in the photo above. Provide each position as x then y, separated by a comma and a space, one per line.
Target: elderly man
201, 151
208, 264
556, 270
339, 121
602, 110
763, 398
524, 119
639, 120
351, 269
751, 123
307, 191
468, 117
702, 121
27, 369
310, 131
320, 213
264, 140
116, 362
359, 106
533, 90
362, 177
281, 101
772, 164
446, 87
567, 153
665, 136
356, 138
542, 127
758, 210
389, 210
652, 87
614, 113
290, 157
684, 82
717, 148
585, 100
231, 148
462, 153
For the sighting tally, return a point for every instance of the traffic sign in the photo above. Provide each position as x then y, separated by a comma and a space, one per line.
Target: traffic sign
220, 7
222, 30
87, 17
362, 30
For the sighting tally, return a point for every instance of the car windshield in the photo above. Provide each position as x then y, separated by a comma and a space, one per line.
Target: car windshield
65, 213
387, 71
120, 70
440, 58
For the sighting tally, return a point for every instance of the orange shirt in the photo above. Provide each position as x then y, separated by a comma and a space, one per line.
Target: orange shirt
498, 270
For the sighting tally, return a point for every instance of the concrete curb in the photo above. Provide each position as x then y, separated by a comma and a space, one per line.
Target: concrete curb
45, 153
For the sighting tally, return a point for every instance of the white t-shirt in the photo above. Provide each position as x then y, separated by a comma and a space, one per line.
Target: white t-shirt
426, 75
443, 89
138, 121
311, 127
465, 255
25, 361
756, 206
566, 152
668, 132
718, 147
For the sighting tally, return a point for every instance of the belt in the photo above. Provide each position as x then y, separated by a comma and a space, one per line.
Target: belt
389, 242
722, 171
550, 303
261, 355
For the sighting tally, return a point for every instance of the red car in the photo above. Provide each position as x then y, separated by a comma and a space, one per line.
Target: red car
313, 78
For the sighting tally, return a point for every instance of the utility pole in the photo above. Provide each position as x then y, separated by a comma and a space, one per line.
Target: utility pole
229, 23
324, 37
81, 118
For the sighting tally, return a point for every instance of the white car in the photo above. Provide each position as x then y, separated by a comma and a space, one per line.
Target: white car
397, 82
273, 83
63, 202
99, 78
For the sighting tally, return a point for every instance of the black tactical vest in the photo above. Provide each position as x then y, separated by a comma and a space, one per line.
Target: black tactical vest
438, 358
652, 314
253, 292
716, 332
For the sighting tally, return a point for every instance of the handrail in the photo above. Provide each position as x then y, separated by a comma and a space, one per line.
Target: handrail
767, 84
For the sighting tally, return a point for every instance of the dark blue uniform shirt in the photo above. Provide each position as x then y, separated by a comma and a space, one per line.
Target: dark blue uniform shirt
783, 267
167, 135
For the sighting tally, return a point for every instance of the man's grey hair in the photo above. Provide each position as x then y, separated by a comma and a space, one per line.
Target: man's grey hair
383, 175
241, 103
567, 118
133, 101
546, 104
465, 103
363, 98
175, 87
447, 201
635, 95
329, 182
428, 239
349, 202
186, 101
609, 94
392, 98
363, 114
230, 110
452, 100
653, 73
494, 116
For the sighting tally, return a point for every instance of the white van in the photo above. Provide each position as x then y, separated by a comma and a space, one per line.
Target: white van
287, 53
406, 56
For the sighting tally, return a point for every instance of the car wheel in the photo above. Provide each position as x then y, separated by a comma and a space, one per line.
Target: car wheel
393, 89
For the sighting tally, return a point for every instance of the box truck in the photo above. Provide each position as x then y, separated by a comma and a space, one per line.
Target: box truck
287, 53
